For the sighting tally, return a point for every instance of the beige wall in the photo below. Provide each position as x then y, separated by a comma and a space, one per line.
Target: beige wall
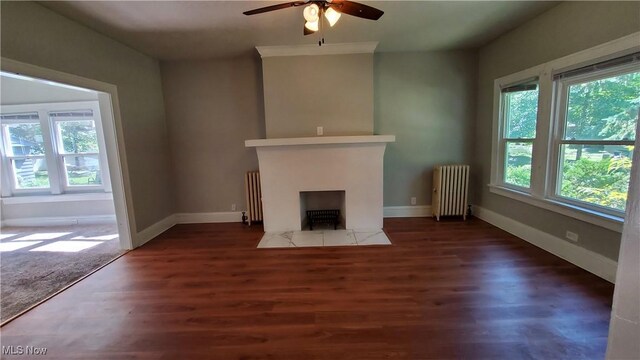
38, 36
565, 29
212, 108
426, 99
332, 91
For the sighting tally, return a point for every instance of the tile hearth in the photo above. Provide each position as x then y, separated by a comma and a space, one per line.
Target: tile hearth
323, 238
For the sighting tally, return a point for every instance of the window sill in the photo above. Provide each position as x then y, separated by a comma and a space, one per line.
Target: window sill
56, 198
607, 221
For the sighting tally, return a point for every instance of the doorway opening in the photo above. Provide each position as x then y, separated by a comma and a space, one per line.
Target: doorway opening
63, 207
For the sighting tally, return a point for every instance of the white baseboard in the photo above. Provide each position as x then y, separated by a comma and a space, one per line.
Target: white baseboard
211, 217
407, 211
60, 221
184, 218
154, 230
579, 256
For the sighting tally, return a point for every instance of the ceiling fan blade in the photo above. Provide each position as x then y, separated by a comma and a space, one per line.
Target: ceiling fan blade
274, 7
356, 9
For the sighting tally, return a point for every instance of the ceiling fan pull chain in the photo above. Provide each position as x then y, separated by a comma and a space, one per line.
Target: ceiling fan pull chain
320, 39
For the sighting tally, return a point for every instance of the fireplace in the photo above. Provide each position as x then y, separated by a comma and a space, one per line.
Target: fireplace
350, 165
319, 209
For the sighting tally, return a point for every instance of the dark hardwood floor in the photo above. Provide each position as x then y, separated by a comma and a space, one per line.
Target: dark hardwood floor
441, 291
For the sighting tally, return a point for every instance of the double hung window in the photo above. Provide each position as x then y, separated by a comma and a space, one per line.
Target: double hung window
564, 134
52, 149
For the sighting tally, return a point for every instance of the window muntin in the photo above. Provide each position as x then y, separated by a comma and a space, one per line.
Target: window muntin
598, 117
519, 115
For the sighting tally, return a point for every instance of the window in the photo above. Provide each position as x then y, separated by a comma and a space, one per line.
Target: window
564, 133
77, 143
597, 116
25, 151
52, 148
519, 114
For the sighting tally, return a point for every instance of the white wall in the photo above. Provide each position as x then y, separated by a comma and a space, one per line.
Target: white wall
18, 91
58, 209
624, 329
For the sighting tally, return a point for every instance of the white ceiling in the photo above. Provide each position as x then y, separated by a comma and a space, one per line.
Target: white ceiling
210, 29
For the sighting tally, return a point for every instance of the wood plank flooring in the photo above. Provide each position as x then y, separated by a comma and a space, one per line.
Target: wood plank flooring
441, 291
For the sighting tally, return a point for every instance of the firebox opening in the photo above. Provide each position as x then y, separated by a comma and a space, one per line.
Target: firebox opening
311, 204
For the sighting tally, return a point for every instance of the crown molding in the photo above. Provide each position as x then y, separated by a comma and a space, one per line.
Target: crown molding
310, 50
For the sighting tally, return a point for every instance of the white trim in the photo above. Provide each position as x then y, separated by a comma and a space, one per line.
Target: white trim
60, 221
327, 49
606, 221
321, 140
209, 217
591, 261
113, 133
236, 217
154, 230
407, 211
56, 198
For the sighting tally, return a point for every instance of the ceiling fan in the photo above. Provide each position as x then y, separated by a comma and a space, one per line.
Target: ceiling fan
331, 10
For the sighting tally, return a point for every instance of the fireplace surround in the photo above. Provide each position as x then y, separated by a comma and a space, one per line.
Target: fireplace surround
290, 166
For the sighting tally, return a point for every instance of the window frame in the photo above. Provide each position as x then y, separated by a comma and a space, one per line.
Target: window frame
54, 158
561, 92
503, 140
9, 158
545, 158
60, 153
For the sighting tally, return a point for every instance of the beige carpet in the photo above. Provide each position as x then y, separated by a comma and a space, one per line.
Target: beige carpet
37, 262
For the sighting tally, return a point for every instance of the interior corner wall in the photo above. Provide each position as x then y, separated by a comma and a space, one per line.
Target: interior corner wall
427, 100
213, 106
36, 35
565, 29
304, 92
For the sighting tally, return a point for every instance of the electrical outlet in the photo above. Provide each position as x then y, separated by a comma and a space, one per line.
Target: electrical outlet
572, 236
233, 207
320, 130
413, 200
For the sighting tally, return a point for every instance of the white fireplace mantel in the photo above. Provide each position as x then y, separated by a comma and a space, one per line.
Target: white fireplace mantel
321, 140
353, 164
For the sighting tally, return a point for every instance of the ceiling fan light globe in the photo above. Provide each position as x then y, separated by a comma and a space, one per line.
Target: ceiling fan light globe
332, 16
312, 25
311, 13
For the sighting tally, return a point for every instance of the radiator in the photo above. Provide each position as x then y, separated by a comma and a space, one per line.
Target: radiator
450, 190
254, 196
